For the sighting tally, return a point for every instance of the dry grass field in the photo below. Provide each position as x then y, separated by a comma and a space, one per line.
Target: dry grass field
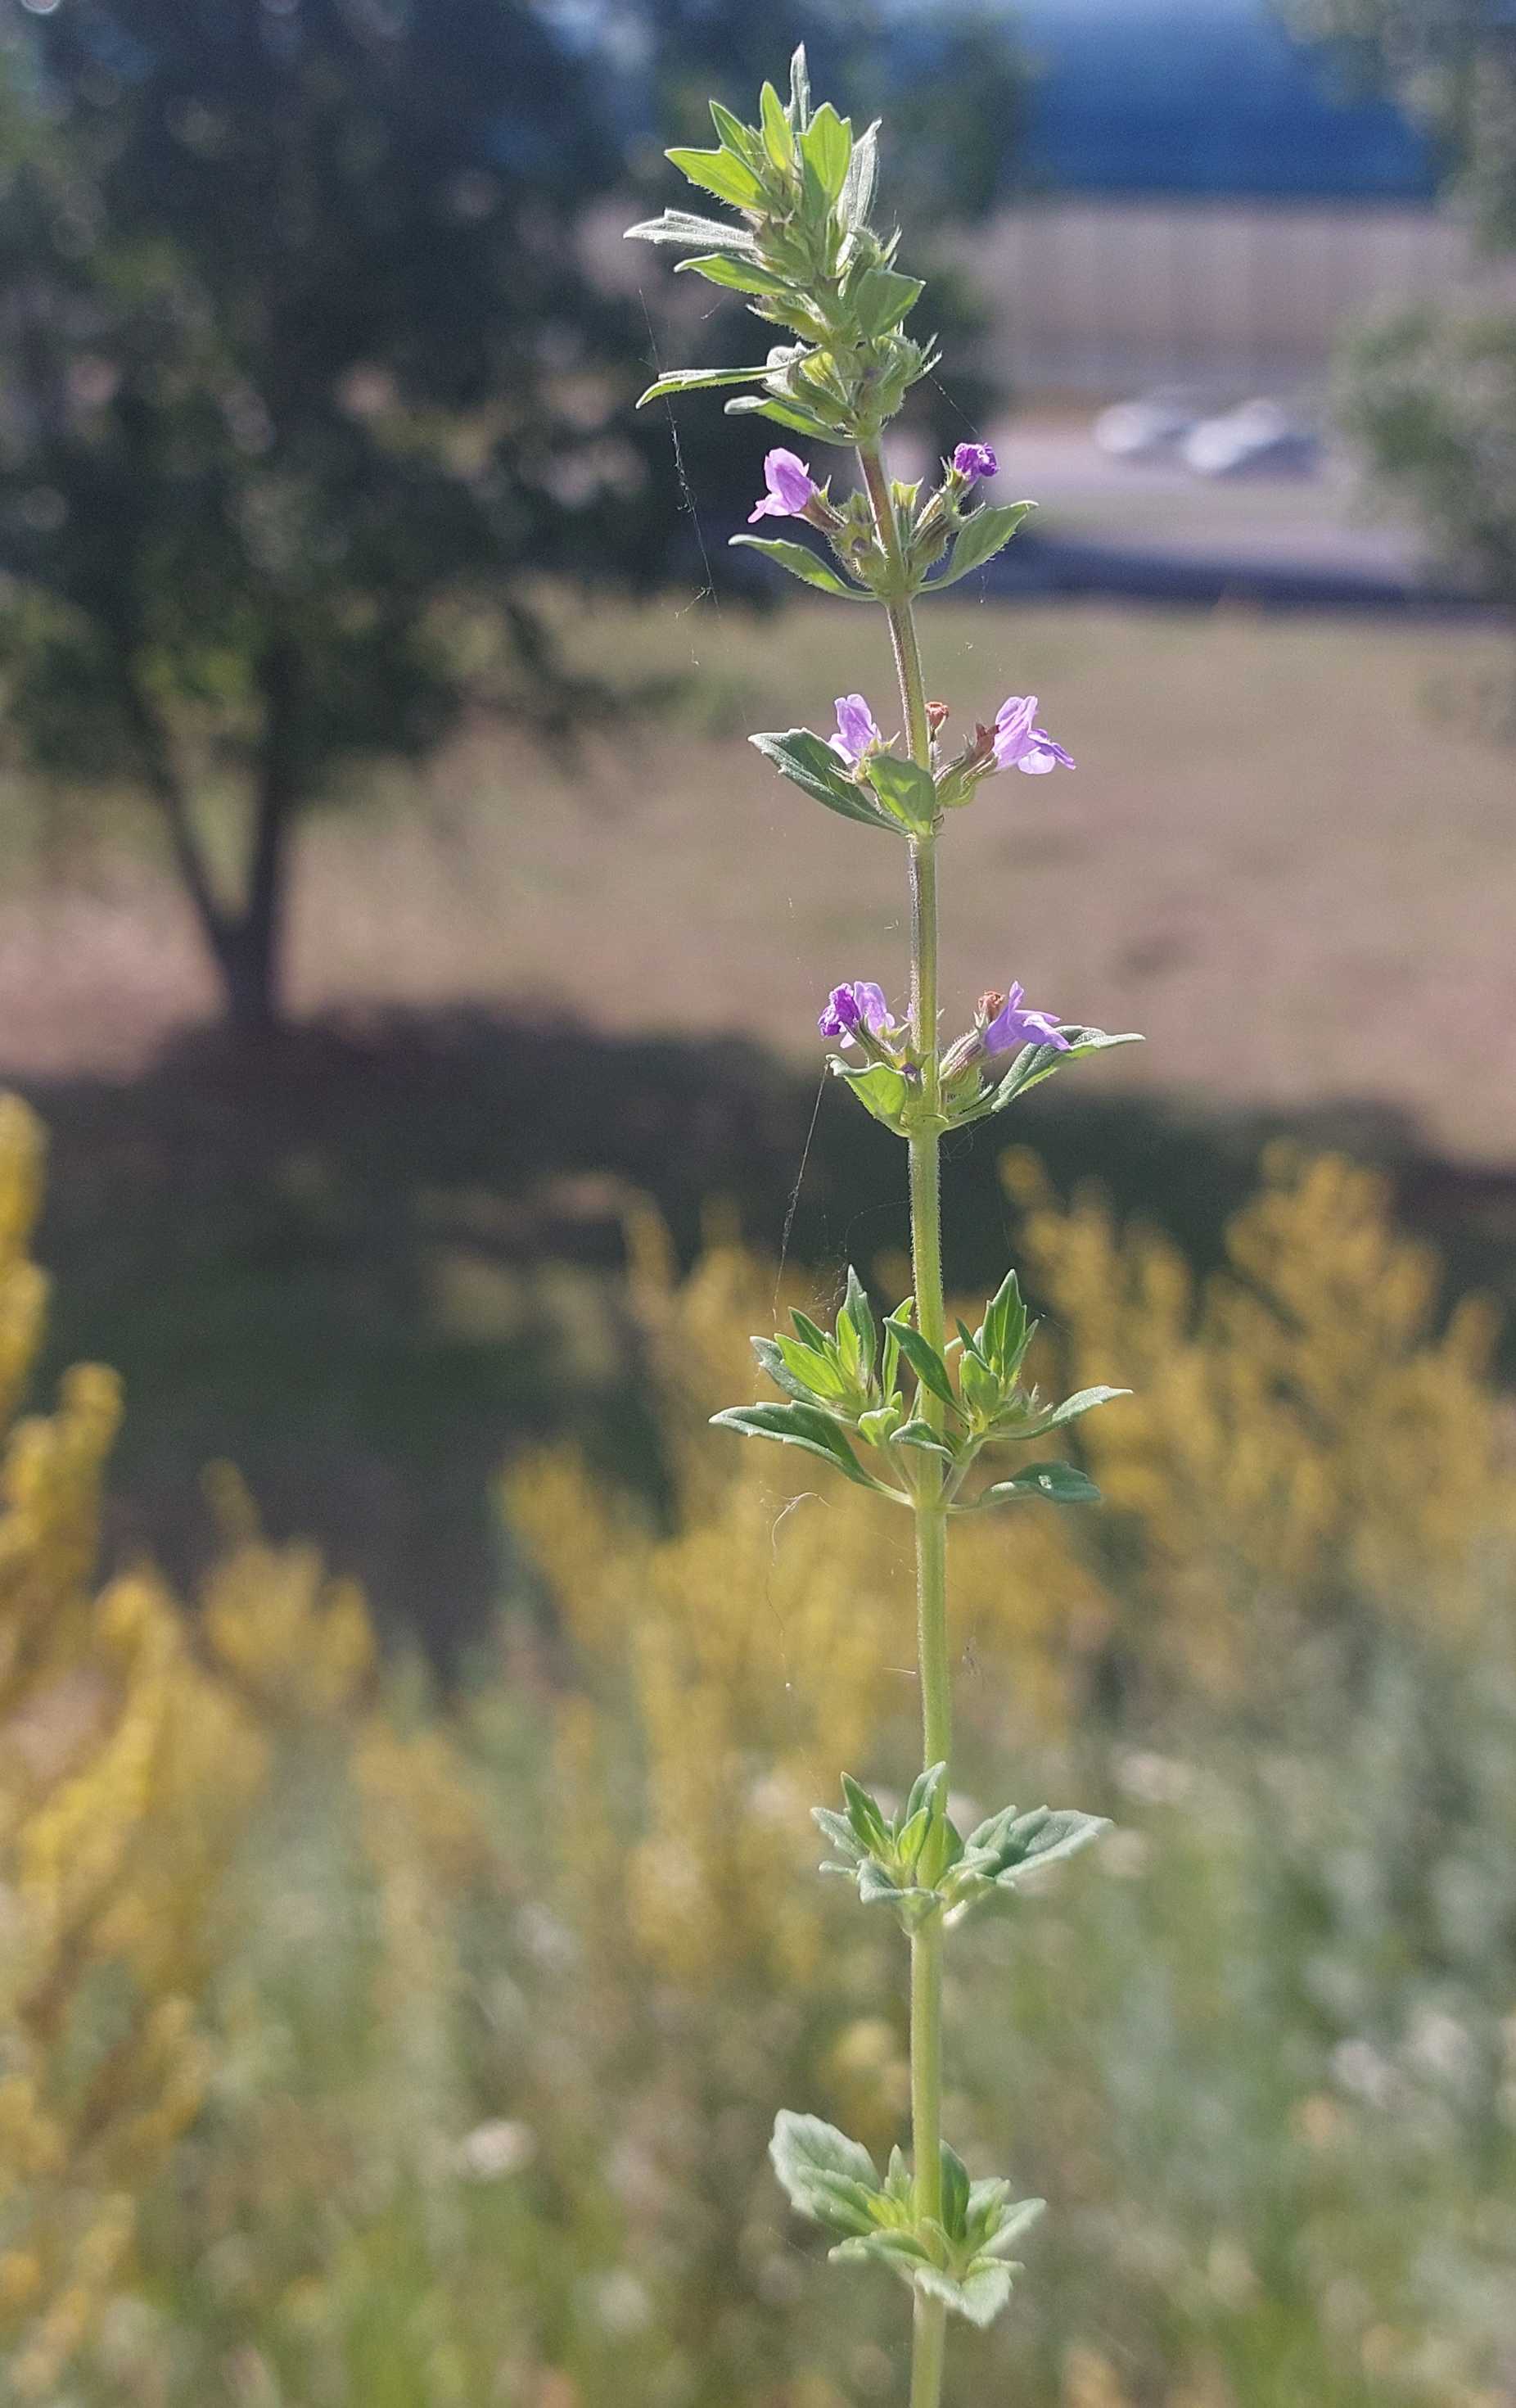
1287, 856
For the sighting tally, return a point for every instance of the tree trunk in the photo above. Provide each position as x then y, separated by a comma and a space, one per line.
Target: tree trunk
244, 940
249, 943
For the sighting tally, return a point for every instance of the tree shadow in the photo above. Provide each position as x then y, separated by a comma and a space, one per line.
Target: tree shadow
366, 1262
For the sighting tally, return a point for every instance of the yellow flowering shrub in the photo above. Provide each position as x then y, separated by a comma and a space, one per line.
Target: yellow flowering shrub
768, 1638
1304, 1442
1307, 1441
129, 1758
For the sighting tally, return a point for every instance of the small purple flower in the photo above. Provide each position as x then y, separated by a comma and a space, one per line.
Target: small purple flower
972, 461
1019, 744
859, 1005
857, 729
1012, 1026
791, 489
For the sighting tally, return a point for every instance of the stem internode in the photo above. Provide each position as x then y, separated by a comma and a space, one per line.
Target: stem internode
929, 2324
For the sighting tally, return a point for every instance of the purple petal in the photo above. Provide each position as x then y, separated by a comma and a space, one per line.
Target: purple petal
843, 1014
1045, 756
1020, 744
856, 728
1014, 1026
859, 1004
791, 485
974, 461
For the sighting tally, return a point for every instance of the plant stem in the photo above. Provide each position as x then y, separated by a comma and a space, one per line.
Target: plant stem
930, 2319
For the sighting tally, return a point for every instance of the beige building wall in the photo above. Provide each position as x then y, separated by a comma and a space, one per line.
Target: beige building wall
1109, 296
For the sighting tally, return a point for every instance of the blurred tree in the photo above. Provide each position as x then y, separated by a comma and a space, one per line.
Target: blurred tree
298, 348
310, 367
1429, 394
1453, 64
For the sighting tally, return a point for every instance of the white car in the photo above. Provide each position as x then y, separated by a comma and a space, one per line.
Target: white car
1257, 439
1149, 428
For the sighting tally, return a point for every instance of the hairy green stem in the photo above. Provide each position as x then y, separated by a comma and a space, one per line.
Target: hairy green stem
930, 2320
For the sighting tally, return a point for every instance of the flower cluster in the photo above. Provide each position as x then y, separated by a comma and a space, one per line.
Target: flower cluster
926, 528
1014, 742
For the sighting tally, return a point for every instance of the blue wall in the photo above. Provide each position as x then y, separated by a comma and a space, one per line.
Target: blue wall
1203, 97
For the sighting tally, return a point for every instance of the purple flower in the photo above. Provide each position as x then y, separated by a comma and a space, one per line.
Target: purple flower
859, 1005
857, 729
972, 461
791, 489
1014, 1026
1019, 744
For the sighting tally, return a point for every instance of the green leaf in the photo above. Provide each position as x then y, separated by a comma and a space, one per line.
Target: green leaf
904, 787
1035, 1063
942, 1852
954, 2193
796, 1424
982, 1388
1070, 1409
894, 2248
814, 768
890, 1373
979, 2295
911, 1836
1004, 1335
931, 1441
1014, 2223
859, 1313
827, 144
1096, 1040
863, 1813
737, 275
857, 195
703, 233
804, 564
779, 1372
846, 2205
879, 298
810, 2157
839, 1831
696, 380
779, 135
787, 413
1058, 1482
925, 1792
800, 89
734, 137
882, 1092
815, 1371
981, 537
719, 172
986, 2204
1046, 1836
924, 1361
